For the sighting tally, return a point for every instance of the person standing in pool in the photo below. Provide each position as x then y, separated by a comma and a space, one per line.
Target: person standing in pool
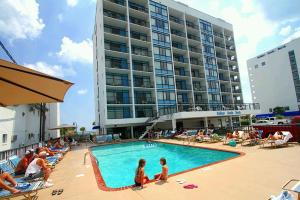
163, 176
140, 178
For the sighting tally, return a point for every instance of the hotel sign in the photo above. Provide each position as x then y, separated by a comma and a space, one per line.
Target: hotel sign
224, 113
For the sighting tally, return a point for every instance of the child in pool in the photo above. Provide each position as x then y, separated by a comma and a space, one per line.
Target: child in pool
163, 176
140, 178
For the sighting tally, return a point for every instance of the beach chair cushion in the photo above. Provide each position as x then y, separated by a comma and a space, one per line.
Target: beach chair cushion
32, 187
6, 167
14, 160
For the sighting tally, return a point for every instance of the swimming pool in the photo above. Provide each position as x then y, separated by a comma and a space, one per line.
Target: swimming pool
116, 163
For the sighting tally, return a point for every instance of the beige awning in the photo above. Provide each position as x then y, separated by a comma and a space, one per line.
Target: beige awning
21, 85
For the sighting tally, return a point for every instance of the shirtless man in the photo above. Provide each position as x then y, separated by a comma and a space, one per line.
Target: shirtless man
24, 162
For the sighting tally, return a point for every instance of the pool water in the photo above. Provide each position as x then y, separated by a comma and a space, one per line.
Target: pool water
118, 162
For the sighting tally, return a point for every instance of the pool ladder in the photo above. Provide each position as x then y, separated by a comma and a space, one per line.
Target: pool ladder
84, 159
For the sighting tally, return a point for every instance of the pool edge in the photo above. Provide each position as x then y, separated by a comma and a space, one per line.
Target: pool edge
101, 183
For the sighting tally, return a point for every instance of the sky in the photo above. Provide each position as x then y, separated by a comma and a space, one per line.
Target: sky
55, 37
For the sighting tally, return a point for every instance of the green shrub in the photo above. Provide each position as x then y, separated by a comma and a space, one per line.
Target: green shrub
245, 123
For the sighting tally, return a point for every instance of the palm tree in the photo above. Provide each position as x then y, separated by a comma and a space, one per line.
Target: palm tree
82, 129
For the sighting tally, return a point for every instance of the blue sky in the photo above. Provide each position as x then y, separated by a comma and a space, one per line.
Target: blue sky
55, 37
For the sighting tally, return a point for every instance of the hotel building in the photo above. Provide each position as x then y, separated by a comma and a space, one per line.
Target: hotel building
274, 78
164, 59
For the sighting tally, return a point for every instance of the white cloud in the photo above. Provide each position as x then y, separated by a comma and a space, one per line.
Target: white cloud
60, 17
72, 3
284, 31
71, 51
52, 70
82, 91
19, 19
295, 35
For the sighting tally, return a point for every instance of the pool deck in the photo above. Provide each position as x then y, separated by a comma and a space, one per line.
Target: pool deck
256, 175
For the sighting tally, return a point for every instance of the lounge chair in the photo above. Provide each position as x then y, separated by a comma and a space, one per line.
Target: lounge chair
6, 167
241, 137
14, 160
101, 138
282, 142
28, 193
116, 137
284, 195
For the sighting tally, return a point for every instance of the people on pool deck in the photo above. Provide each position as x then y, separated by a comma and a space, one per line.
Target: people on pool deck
278, 136
24, 162
163, 176
38, 168
3, 185
140, 178
57, 144
233, 135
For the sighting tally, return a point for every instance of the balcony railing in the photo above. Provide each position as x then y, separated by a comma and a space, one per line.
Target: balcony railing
181, 72
194, 49
114, 15
184, 101
119, 101
143, 83
138, 21
143, 100
116, 63
178, 33
236, 91
198, 75
116, 47
180, 86
225, 90
224, 79
221, 56
199, 88
142, 67
192, 25
218, 34
117, 81
221, 66
114, 30
140, 51
234, 69
193, 37
120, 2
179, 59
204, 106
138, 36
138, 7
178, 45
235, 80
219, 45
175, 19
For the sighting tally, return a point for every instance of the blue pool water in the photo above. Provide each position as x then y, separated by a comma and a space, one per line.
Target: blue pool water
117, 162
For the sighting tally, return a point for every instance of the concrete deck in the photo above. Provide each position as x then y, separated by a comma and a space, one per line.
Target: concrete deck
257, 175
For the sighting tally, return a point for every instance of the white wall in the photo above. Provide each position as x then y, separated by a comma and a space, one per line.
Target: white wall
272, 85
23, 121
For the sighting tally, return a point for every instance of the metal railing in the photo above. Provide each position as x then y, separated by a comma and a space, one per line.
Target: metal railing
4, 155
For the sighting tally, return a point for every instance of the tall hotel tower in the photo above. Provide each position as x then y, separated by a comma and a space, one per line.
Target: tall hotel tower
164, 59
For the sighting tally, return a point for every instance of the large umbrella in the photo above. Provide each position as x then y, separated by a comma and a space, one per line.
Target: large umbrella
21, 85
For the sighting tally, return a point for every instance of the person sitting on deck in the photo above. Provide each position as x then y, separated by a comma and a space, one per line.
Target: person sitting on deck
140, 178
7, 177
163, 176
24, 162
38, 168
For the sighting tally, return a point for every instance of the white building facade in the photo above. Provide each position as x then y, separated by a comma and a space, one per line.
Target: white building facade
274, 78
20, 125
163, 58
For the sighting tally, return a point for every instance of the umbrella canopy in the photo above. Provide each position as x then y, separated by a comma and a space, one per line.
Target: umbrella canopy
21, 85
63, 126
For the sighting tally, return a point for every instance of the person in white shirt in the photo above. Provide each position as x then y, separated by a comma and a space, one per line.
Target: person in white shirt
38, 168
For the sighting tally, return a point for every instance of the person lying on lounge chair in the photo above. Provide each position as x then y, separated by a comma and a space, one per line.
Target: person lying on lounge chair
38, 168
24, 162
57, 144
277, 136
7, 177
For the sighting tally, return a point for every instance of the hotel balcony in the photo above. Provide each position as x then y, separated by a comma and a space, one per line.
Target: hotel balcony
223, 78
119, 112
222, 56
193, 37
117, 80
139, 36
118, 63
114, 15
182, 85
142, 82
217, 44
236, 91
198, 88
178, 45
225, 90
179, 58
181, 72
235, 80
140, 51
191, 25
115, 30
218, 34
143, 98
141, 66
115, 46
230, 47
118, 98
195, 49
178, 33
222, 66
176, 20
138, 7
139, 22
197, 74
120, 2
145, 111
195, 61
233, 68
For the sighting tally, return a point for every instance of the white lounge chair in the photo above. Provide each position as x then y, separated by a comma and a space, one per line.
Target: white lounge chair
287, 136
284, 195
